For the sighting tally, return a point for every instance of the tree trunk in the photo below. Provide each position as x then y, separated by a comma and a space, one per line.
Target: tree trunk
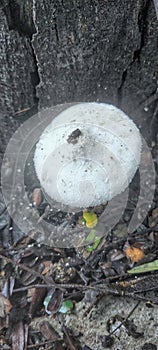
55, 51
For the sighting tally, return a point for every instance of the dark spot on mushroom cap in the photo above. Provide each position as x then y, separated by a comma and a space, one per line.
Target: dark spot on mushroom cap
73, 137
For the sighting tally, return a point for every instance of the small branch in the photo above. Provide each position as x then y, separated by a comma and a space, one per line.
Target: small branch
48, 342
68, 339
130, 313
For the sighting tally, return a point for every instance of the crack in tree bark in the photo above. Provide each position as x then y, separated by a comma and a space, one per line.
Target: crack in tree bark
142, 24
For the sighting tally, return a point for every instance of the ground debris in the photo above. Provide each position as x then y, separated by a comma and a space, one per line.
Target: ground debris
107, 341
129, 325
19, 336
53, 301
36, 280
37, 297
49, 332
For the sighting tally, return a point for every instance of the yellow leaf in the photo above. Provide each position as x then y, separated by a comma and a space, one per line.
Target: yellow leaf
90, 218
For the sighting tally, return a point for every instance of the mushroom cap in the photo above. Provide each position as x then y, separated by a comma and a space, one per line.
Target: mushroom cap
87, 155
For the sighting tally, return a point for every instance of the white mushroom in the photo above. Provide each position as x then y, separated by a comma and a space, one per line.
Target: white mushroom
87, 155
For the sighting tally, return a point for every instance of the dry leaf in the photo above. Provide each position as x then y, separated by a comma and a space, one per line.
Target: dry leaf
134, 254
8, 287
37, 300
4, 302
49, 332
53, 301
48, 266
19, 336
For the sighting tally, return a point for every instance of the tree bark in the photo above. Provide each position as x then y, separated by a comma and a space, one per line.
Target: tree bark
55, 51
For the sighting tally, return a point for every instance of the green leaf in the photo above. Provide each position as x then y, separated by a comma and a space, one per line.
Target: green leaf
94, 246
152, 266
66, 306
91, 236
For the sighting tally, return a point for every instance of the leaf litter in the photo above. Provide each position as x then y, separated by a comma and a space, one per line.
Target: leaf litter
38, 281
